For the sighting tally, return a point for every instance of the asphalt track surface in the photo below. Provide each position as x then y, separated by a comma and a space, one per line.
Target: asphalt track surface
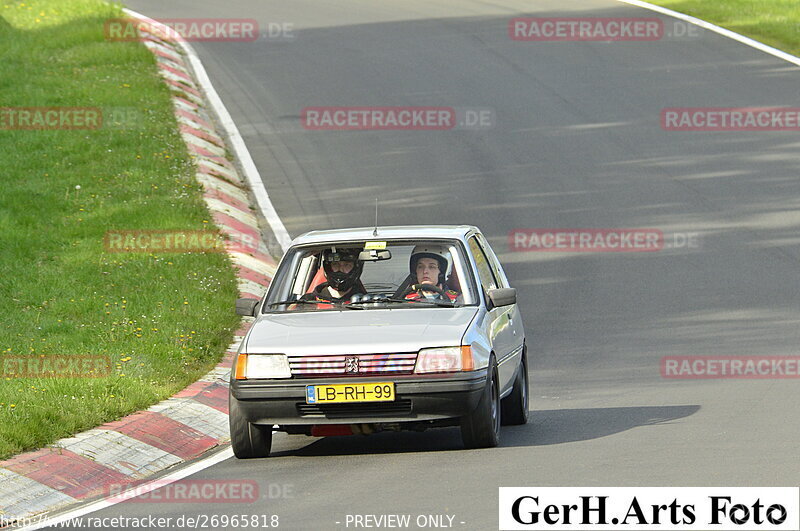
577, 143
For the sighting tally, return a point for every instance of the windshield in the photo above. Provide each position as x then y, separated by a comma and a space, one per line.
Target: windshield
365, 275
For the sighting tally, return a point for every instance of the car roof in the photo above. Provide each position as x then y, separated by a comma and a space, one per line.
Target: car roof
420, 232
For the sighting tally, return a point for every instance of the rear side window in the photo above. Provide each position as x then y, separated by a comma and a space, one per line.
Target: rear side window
485, 273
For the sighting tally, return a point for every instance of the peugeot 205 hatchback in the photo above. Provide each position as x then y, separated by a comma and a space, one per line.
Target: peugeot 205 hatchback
387, 328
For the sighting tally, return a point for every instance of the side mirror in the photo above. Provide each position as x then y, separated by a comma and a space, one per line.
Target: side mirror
502, 296
246, 307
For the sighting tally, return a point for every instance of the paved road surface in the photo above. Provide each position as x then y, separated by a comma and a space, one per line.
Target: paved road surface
577, 143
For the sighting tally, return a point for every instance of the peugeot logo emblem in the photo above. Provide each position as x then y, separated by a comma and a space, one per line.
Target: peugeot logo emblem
351, 365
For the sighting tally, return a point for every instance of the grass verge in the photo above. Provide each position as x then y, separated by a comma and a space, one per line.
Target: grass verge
773, 22
161, 321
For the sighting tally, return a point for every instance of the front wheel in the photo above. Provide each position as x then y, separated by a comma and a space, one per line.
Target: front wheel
481, 428
247, 439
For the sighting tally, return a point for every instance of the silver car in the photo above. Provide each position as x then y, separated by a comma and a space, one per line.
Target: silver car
388, 328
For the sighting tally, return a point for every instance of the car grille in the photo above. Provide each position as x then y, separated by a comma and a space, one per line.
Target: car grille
340, 411
353, 365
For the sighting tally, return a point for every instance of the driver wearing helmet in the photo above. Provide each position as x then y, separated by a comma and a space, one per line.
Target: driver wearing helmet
429, 266
342, 273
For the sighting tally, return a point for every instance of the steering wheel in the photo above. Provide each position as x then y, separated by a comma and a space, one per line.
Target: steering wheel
427, 287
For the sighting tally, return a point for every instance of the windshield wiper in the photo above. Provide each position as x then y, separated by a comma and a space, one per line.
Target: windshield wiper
441, 304
298, 301
404, 301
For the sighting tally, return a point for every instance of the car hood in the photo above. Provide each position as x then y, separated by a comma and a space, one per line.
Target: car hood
358, 331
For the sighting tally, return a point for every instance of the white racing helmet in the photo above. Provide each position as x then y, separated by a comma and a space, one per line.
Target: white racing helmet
437, 252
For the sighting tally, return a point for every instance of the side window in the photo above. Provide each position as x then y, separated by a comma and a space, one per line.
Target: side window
484, 269
499, 274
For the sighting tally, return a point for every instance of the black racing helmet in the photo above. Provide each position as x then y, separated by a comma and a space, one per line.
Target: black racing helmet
339, 280
437, 252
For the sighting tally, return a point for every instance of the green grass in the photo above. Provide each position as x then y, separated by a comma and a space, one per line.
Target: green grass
162, 320
773, 22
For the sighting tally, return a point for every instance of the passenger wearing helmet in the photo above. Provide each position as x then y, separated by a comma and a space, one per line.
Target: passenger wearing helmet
342, 273
429, 266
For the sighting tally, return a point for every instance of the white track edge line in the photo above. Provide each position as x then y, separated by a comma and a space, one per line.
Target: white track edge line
239, 147
716, 29
222, 455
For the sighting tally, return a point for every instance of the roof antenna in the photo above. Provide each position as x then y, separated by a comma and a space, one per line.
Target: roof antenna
375, 232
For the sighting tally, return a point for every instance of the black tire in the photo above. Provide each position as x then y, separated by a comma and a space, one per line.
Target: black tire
248, 440
514, 407
481, 428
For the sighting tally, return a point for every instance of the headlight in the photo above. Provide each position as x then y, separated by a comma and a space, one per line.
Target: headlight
444, 359
255, 366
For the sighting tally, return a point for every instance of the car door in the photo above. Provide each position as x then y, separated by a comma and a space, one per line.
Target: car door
515, 317
499, 322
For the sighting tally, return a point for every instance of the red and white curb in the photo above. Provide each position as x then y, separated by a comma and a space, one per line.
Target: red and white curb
195, 420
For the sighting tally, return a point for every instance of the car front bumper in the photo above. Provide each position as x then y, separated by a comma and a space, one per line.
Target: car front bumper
429, 398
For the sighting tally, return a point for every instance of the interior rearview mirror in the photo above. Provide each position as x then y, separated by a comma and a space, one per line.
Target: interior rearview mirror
374, 255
